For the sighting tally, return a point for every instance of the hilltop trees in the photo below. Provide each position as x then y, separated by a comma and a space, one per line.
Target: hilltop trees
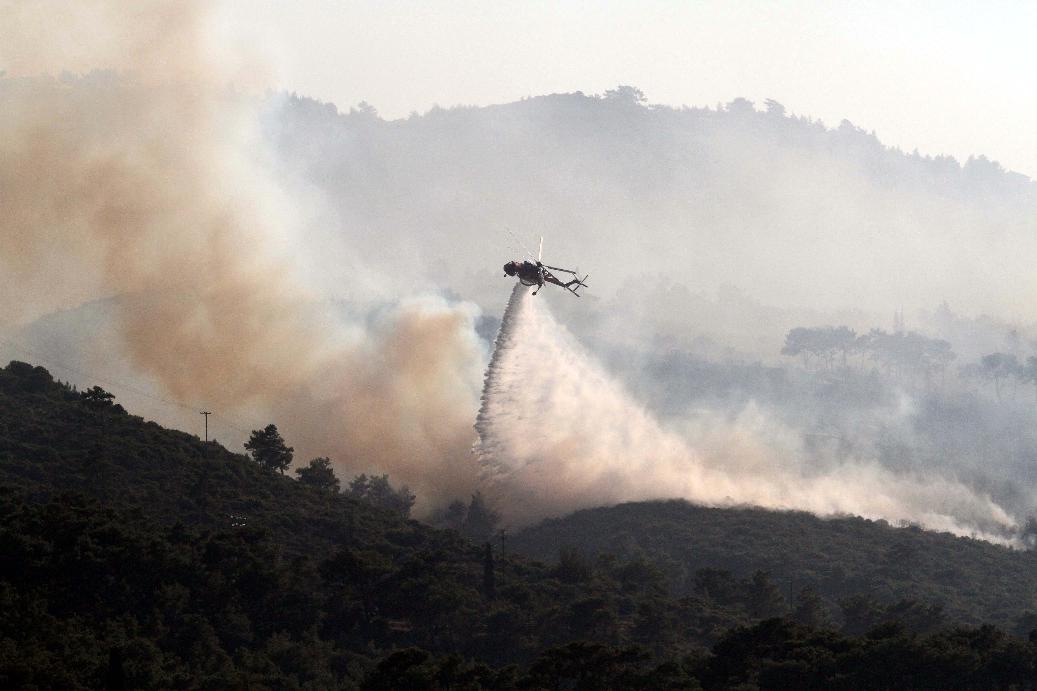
824, 343
1028, 373
319, 474
269, 449
204, 566
906, 352
475, 520
97, 396
999, 368
899, 354
480, 520
377, 491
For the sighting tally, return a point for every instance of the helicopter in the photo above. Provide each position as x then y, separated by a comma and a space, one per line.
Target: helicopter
537, 273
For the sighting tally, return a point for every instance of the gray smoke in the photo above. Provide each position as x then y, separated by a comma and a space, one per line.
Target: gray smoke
558, 433
150, 182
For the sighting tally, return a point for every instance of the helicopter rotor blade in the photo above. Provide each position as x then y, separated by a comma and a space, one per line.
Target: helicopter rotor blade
521, 245
558, 268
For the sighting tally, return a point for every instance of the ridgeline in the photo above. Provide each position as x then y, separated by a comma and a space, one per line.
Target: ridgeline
140, 557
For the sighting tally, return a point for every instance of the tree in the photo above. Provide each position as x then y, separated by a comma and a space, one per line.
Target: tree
810, 610
319, 474
481, 519
997, 368
907, 351
1028, 373
269, 450
456, 514
572, 567
763, 598
489, 577
774, 108
741, 106
822, 342
377, 490
97, 396
716, 585
625, 94
799, 341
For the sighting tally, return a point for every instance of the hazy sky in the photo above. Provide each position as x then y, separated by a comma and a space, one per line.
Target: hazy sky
944, 76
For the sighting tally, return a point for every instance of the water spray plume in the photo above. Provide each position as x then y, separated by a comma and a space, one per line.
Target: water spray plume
556, 433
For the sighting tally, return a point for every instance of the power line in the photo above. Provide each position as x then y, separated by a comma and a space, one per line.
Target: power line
108, 381
206, 413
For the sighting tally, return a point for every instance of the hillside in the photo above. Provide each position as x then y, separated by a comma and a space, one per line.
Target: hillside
971, 580
706, 197
141, 557
135, 548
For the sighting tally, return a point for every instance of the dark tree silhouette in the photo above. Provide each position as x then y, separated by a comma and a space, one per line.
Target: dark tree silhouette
489, 576
95, 395
810, 609
481, 520
269, 450
456, 514
906, 352
1028, 372
378, 491
319, 474
824, 343
763, 598
999, 368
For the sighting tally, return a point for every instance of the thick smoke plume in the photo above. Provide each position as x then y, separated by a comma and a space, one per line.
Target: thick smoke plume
557, 433
142, 184
149, 181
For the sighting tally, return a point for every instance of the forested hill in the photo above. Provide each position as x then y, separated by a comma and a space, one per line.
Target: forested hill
972, 581
706, 197
139, 557
56, 442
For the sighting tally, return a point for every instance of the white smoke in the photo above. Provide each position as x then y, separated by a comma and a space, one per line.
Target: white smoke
557, 434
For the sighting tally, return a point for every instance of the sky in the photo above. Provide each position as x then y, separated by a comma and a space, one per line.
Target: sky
943, 77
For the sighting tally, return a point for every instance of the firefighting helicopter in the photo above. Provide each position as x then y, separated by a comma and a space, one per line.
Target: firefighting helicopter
536, 273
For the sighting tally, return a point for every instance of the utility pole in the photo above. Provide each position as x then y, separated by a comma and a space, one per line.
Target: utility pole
206, 413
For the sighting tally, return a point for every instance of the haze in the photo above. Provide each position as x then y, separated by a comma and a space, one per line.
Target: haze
276, 256
942, 77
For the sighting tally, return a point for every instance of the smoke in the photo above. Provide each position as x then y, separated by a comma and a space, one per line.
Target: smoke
149, 180
556, 434
400, 398
148, 184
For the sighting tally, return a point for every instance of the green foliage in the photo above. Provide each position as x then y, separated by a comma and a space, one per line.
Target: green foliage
489, 573
999, 368
810, 610
823, 343
269, 450
98, 396
780, 654
712, 554
141, 554
906, 352
377, 491
480, 520
572, 567
319, 474
900, 354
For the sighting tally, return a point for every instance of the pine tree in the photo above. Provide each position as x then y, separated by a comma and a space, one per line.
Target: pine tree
269, 450
489, 577
319, 474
